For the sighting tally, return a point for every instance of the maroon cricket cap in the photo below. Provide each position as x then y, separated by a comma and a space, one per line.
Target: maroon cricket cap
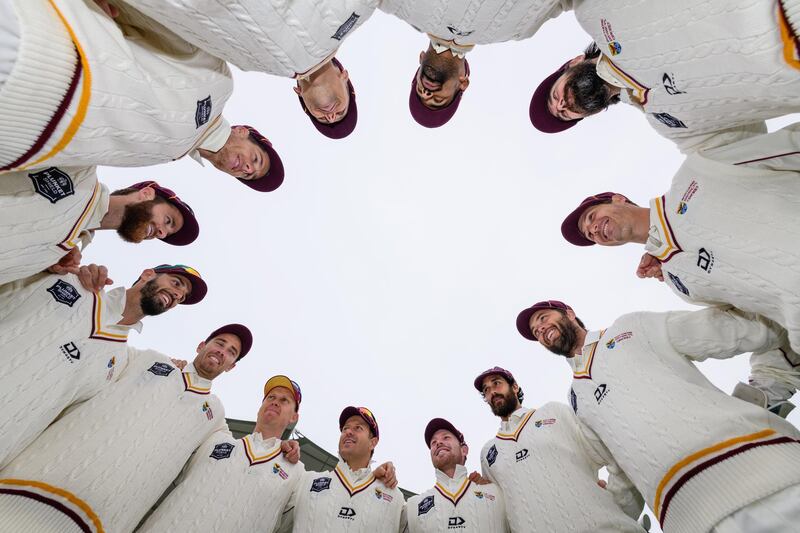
540, 115
492, 371
440, 423
199, 287
433, 118
364, 413
524, 317
190, 229
344, 127
242, 332
274, 176
569, 228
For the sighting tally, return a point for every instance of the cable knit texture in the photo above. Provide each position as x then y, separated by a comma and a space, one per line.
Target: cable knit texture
705, 66
476, 21
272, 36
44, 215
547, 469
704, 454
248, 480
52, 356
153, 418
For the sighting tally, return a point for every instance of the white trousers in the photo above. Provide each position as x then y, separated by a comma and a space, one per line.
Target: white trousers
9, 39
779, 513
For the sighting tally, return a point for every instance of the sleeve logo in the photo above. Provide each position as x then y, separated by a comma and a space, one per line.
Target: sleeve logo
425, 505
320, 484
64, 293
222, 451
161, 369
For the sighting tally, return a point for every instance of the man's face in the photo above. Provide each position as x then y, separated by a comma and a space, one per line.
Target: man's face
149, 219
579, 92
163, 292
554, 330
240, 156
439, 79
327, 98
356, 440
560, 104
446, 450
217, 355
278, 408
608, 224
501, 397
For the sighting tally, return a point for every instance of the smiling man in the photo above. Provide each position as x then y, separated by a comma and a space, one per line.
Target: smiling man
686, 445
454, 501
724, 233
45, 215
106, 462
63, 344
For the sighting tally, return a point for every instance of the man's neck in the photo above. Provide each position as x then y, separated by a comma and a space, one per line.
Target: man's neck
641, 225
357, 463
449, 471
116, 207
580, 341
133, 308
309, 78
269, 431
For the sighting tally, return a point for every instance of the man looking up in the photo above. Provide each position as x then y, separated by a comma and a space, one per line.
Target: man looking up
685, 444
106, 462
454, 500
544, 459
45, 214
63, 343
247, 480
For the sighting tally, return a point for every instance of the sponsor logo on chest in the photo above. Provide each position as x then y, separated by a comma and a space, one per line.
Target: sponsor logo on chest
601, 392
670, 86
347, 513
683, 205
425, 505
459, 33
222, 451
521, 455
614, 46
668, 120
70, 352
456, 522
573, 400
491, 455
619, 338
53, 184
64, 293
161, 369
203, 112
320, 484
705, 260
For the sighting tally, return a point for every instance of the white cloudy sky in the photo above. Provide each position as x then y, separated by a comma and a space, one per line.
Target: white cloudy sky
389, 268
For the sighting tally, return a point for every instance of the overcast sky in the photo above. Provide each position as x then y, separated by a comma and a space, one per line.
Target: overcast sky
389, 268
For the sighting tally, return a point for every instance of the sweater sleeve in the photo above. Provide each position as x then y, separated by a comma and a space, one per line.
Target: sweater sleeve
721, 332
776, 151
404, 519
776, 373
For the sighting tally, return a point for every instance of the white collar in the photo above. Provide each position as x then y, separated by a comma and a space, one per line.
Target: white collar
353, 475
440, 46
213, 139
508, 426
458, 476
262, 444
113, 304
197, 379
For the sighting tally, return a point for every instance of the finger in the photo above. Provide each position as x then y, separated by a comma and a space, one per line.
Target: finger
102, 277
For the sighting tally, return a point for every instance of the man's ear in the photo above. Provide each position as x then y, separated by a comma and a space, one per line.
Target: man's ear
295, 418
577, 59
297, 90
373, 443
344, 76
618, 199
463, 82
515, 388
201, 346
571, 314
421, 56
148, 274
146, 194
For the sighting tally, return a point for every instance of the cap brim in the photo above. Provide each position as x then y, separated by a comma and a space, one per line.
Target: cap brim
344, 127
351, 410
570, 230
199, 288
280, 381
540, 115
440, 423
424, 115
272, 179
242, 332
188, 232
524, 321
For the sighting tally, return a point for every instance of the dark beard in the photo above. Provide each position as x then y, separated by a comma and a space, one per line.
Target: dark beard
437, 68
567, 338
135, 219
507, 407
587, 93
151, 306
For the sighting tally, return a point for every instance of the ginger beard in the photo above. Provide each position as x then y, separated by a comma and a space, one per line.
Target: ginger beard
135, 221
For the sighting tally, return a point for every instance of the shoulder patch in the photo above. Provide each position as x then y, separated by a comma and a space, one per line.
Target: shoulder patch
64, 293
161, 369
491, 455
222, 451
345, 28
676, 281
668, 120
203, 111
52, 183
573, 400
425, 505
320, 484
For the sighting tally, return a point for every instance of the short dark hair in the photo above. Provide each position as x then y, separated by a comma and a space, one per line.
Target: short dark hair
128, 190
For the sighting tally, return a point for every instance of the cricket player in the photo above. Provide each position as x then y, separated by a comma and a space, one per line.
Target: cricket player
297, 40
105, 463
547, 464
454, 502
44, 215
83, 91
726, 232
453, 28
704, 461
351, 498
63, 344
704, 74
238, 484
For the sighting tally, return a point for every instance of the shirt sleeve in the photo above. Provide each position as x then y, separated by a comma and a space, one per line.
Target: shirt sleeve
776, 373
778, 151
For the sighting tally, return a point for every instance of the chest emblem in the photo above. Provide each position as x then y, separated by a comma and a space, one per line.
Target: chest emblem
544, 422
222, 451
203, 112
53, 183
425, 505
614, 46
668, 120
380, 495
619, 338
600, 392
278, 469
161, 369
64, 293
207, 410
481, 495
491, 455
320, 484
345, 28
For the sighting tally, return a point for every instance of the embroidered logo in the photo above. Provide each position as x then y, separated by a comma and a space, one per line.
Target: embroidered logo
52, 183
380, 495
481, 495
110, 366
614, 46
64, 293
491, 455
600, 392
425, 505
347, 513
544, 422
203, 112
676, 281
573, 400
222, 451
277, 469
668, 120
705, 260
456, 522
522, 454
345, 28
320, 484
71, 352
683, 205
669, 84
161, 369
619, 338
207, 410
459, 33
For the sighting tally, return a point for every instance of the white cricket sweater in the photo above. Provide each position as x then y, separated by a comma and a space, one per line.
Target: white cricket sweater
344, 500
547, 470
727, 232
476, 22
229, 485
705, 73
45, 214
456, 504
273, 36
695, 453
106, 462
61, 345
83, 93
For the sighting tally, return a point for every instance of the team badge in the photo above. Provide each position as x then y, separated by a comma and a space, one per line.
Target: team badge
345, 28
573, 400
110, 366
222, 451
619, 338
277, 469
53, 183
207, 410
320, 484
676, 281
64, 293
544, 422
380, 495
614, 46
161, 369
668, 120
425, 505
491, 455
203, 111
459, 33
682, 208
481, 495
